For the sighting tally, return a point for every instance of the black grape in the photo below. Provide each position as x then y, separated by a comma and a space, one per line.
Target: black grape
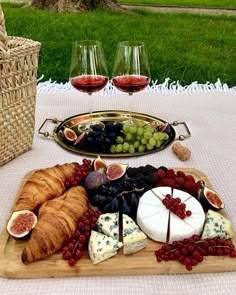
98, 200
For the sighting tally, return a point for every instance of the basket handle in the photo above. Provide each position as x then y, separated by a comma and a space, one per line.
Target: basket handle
4, 51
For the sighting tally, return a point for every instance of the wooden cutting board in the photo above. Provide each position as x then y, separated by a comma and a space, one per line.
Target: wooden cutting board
140, 263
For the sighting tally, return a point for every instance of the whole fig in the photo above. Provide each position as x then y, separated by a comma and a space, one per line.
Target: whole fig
95, 178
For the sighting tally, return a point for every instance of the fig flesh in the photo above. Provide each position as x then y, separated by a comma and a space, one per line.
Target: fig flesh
164, 128
69, 135
116, 171
21, 224
209, 199
98, 164
81, 140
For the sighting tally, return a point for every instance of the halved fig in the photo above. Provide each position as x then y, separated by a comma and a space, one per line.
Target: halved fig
116, 171
69, 135
209, 199
99, 164
21, 224
81, 141
164, 128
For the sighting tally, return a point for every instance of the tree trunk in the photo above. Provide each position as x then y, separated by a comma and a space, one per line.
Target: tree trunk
76, 5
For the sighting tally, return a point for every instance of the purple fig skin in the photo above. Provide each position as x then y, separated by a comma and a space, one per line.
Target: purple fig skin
95, 178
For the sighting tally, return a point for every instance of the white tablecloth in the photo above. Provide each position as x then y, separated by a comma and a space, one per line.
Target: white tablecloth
211, 117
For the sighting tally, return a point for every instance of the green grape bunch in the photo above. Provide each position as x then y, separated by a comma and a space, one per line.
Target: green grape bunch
138, 137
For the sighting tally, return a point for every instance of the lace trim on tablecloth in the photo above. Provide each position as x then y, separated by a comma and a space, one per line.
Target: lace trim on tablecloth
167, 87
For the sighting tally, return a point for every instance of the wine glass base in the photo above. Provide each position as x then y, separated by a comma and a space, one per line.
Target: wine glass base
88, 126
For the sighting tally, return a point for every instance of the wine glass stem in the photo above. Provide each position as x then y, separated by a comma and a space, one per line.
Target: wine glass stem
130, 120
90, 109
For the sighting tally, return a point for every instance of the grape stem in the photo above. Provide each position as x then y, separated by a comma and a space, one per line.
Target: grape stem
76, 244
130, 191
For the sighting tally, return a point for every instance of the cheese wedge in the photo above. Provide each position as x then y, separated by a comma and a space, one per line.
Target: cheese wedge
178, 229
182, 195
154, 226
148, 199
196, 221
161, 192
216, 225
108, 224
102, 247
134, 239
194, 206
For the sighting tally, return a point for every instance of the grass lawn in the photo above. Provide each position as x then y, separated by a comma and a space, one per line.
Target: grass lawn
204, 3
183, 47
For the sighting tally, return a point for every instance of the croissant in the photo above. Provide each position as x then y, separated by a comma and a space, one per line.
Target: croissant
57, 221
43, 185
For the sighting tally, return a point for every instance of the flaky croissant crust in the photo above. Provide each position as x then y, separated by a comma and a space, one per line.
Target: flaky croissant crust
57, 221
43, 185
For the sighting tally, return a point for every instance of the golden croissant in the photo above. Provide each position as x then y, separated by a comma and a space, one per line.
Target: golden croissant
43, 185
57, 221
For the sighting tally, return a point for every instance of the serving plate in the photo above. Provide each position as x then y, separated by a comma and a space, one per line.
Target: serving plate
75, 122
140, 263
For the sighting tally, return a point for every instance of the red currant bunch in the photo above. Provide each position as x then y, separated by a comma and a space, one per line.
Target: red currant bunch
190, 252
175, 206
81, 171
74, 249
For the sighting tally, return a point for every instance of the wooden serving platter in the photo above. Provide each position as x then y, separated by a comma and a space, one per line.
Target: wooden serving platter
140, 263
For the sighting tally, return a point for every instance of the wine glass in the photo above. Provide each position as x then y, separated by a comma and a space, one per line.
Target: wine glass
88, 71
131, 68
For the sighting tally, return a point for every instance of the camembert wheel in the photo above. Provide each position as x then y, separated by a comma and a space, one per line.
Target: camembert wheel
157, 222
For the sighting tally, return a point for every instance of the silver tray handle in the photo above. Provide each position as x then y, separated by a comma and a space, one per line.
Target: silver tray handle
46, 133
182, 137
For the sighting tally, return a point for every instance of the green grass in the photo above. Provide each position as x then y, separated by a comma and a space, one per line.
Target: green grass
203, 3
183, 47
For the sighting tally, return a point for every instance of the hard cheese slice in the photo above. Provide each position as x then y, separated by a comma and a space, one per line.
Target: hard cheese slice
102, 247
216, 225
134, 239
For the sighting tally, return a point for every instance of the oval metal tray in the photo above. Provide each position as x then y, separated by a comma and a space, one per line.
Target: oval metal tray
110, 116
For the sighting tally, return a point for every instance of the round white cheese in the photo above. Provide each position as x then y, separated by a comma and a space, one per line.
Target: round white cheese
160, 224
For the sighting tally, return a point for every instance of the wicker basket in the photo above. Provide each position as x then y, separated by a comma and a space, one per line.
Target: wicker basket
18, 84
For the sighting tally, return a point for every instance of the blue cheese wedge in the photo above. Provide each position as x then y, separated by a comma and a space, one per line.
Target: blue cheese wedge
216, 225
108, 224
134, 239
102, 247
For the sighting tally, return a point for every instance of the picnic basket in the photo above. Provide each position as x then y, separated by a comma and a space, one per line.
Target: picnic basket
18, 84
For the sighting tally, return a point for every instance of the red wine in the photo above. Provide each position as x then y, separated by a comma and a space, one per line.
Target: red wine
89, 83
130, 83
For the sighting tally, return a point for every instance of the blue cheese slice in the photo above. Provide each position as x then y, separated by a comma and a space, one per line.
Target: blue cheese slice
108, 224
134, 239
216, 225
102, 247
